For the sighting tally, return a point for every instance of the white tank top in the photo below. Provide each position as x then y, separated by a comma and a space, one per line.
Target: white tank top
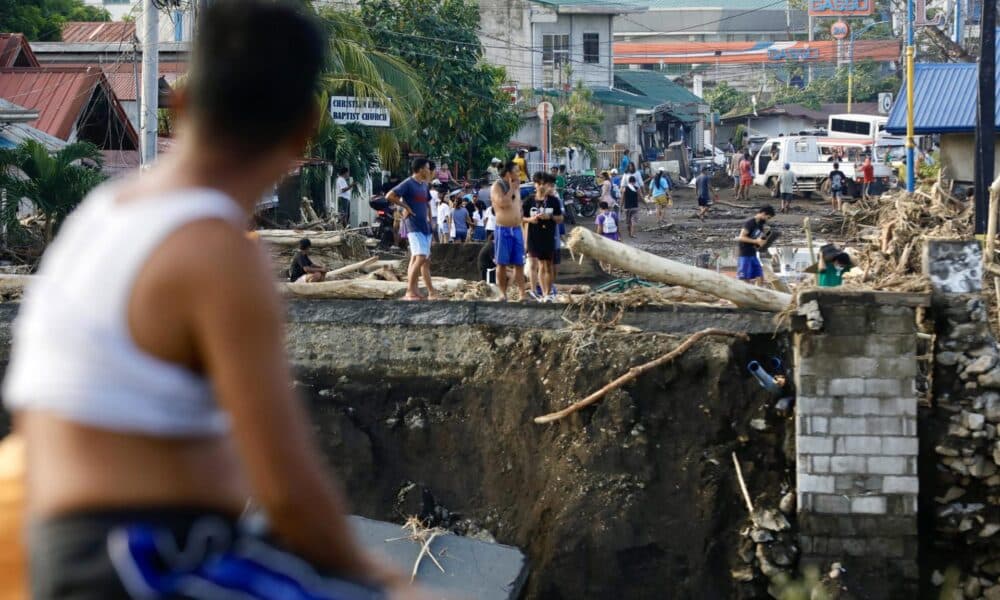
73, 354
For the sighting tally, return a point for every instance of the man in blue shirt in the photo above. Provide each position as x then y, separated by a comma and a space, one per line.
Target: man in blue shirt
625, 162
413, 196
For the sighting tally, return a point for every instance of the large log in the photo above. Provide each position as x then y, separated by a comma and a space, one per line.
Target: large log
656, 268
358, 266
287, 237
362, 288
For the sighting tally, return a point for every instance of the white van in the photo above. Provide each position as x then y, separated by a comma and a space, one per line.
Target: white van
811, 159
856, 126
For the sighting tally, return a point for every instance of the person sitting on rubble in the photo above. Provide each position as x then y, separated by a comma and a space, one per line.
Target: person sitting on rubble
833, 263
303, 269
751, 238
168, 454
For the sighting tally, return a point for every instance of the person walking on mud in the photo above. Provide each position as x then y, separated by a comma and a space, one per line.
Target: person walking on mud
746, 177
158, 401
661, 194
509, 240
751, 238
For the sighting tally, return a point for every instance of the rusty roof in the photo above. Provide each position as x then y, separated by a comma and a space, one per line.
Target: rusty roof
15, 51
107, 31
60, 95
123, 76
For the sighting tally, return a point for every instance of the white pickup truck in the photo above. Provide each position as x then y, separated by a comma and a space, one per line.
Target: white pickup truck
811, 159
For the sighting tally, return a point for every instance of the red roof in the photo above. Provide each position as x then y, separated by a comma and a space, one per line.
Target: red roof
123, 75
59, 94
710, 53
15, 51
109, 31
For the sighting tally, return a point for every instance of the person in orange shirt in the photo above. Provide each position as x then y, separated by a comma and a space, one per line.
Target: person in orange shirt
868, 173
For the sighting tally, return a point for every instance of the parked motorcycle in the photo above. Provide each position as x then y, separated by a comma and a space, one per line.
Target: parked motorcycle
382, 228
587, 201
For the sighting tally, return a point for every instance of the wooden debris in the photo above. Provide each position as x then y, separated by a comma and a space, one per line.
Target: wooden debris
291, 237
358, 266
635, 372
369, 289
663, 270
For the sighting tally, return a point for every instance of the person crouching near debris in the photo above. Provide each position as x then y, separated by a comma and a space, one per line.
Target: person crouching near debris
303, 269
158, 400
748, 267
833, 263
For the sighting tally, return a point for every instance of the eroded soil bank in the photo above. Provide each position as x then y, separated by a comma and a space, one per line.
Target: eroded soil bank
635, 497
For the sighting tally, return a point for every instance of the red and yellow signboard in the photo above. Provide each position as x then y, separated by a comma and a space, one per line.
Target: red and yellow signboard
841, 8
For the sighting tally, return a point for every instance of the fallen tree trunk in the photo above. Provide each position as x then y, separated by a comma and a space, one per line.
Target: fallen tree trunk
664, 270
378, 265
358, 266
287, 237
361, 288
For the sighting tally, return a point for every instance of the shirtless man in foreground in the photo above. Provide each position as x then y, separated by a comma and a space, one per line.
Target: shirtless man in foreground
509, 240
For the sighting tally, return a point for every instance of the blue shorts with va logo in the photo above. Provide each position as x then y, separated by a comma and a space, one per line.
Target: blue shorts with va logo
509, 246
748, 267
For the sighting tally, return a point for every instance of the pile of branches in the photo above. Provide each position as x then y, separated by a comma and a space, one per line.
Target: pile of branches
892, 230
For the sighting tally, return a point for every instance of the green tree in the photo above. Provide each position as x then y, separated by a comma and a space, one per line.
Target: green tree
42, 20
723, 98
465, 115
54, 182
577, 121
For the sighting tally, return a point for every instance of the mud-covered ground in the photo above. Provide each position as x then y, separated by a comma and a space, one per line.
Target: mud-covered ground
633, 498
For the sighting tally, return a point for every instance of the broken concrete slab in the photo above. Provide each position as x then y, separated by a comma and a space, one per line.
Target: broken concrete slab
472, 568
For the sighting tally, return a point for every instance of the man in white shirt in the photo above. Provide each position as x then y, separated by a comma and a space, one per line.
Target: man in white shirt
344, 188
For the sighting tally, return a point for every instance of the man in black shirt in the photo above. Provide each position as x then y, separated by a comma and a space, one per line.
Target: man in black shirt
748, 267
838, 185
630, 199
303, 269
542, 216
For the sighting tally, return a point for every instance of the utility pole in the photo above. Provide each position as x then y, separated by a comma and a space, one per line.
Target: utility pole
150, 80
910, 164
986, 114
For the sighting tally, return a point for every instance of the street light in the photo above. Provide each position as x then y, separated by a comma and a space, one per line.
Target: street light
850, 63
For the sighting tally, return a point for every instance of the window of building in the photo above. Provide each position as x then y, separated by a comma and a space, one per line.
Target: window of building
592, 48
555, 53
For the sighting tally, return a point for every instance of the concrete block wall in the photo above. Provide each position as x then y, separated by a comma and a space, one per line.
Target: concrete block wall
856, 432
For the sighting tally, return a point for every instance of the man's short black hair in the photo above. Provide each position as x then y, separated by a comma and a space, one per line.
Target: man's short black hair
550, 178
767, 209
343, 171
508, 167
418, 163
836, 165
305, 244
604, 206
538, 177
249, 86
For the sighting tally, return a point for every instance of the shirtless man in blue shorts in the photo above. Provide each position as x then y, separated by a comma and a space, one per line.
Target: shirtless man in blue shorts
509, 240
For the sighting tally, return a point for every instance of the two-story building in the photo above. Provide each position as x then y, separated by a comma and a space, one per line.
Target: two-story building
175, 24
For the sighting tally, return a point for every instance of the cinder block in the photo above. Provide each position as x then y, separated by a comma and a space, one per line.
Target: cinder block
820, 464
903, 505
901, 485
848, 425
884, 425
826, 346
902, 406
855, 546
831, 504
856, 444
890, 346
896, 368
854, 386
819, 425
857, 366
900, 446
808, 444
909, 425
848, 464
811, 385
845, 484
868, 505
822, 484
861, 406
845, 324
894, 324
883, 388
887, 465
813, 405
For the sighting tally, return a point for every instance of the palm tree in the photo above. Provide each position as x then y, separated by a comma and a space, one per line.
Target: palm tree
356, 68
55, 182
577, 122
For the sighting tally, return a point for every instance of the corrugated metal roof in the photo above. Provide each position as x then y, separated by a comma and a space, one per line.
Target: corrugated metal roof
13, 135
622, 98
108, 31
723, 4
612, 7
655, 86
652, 53
57, 93
15, 51
944, 100
122, 76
